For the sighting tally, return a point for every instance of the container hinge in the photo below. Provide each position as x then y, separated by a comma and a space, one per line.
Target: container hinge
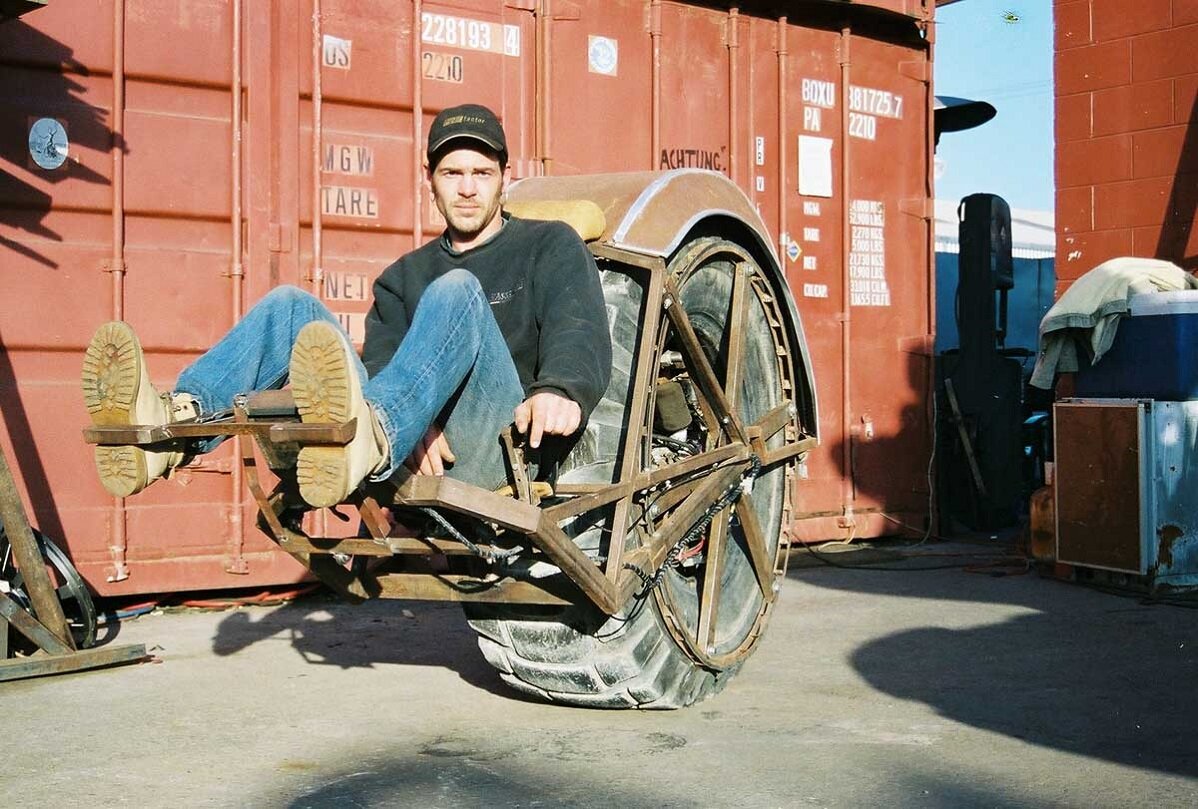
919, 207
653, 19
113, 265
917, 69
559, 10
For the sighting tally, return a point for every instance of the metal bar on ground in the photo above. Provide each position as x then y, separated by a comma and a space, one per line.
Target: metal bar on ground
41, 665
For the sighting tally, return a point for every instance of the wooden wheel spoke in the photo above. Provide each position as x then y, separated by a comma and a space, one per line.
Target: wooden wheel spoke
713, 571
700, 368
763, 566
735, 345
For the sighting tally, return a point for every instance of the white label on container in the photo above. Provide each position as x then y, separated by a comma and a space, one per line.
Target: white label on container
861, 126
759, 148
468, 34
815, 290
811, 234
810, 208
867, 254
815, 166
345, 286
342, 200
760, 183
793, 251
820, 93
875, 102
511, 40
354, 324
351, 160
809, 263
603, 55
812, 119
335, 52
48, 143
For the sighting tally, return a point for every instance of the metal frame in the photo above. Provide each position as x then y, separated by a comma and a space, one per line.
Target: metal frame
47, 627
438, 569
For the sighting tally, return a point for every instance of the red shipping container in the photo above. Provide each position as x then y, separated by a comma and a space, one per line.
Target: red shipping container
176, 160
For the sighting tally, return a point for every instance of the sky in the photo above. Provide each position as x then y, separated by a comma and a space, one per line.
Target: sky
998, 51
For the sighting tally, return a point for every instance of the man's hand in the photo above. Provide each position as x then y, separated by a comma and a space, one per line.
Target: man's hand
431, 454
547, 413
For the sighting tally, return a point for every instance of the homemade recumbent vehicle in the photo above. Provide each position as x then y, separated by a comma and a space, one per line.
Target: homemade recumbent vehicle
643, 575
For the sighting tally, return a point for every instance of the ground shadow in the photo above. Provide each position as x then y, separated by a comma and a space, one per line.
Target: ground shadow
325, 630
1080, 671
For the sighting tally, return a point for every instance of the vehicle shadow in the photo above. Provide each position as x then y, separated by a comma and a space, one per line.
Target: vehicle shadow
327, 631
1075, 670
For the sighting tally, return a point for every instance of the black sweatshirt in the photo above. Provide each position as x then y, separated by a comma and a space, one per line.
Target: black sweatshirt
544, 290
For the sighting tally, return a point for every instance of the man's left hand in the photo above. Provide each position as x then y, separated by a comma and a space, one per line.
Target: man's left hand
547, 413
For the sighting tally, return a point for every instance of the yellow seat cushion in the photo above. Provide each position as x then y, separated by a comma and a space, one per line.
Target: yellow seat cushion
584, 216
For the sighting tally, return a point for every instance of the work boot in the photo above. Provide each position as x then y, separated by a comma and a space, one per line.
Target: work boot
326, 387
117, 392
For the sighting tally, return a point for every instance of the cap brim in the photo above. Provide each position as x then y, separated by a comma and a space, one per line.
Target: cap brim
433, 148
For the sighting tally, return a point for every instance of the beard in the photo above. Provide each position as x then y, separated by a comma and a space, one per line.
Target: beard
471, 219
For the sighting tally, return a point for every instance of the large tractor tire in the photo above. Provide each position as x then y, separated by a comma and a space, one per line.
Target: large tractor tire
647, 655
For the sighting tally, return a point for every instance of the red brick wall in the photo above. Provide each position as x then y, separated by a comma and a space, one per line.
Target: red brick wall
1126, 132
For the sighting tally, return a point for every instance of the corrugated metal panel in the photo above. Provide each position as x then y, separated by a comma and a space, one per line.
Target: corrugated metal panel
176, 213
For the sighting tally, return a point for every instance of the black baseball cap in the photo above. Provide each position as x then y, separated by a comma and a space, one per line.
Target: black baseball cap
472, 121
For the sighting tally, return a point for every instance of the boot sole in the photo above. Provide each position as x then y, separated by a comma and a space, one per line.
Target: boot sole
111, 379
320, 383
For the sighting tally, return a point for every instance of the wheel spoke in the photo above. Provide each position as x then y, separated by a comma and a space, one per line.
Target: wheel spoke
735, 347
700, 367
713, 571
763, 567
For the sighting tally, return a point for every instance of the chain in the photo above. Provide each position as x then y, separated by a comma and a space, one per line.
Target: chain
730, 496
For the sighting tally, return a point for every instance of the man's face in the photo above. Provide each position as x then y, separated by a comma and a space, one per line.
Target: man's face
467, 188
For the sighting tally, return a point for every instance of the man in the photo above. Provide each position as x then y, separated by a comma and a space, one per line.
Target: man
499, 319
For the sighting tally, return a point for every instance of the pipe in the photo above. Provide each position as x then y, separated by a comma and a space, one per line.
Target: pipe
236, 562
118, 530
417, 125
930, 340
733, 87
542, 90
655, 80
847, 483
316, 281
782, 145
317, 277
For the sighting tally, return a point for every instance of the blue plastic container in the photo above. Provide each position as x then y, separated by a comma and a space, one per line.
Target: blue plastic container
1154, 355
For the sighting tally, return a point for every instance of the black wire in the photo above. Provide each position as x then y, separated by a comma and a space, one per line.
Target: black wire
488, 556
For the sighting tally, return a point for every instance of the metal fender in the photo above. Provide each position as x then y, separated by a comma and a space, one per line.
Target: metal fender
657, 213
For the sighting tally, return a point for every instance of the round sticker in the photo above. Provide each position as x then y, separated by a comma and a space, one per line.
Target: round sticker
603, 55
48, 144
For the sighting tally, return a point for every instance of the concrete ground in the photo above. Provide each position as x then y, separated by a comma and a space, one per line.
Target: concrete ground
923, 688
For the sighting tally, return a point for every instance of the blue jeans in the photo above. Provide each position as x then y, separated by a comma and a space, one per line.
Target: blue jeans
453, 354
